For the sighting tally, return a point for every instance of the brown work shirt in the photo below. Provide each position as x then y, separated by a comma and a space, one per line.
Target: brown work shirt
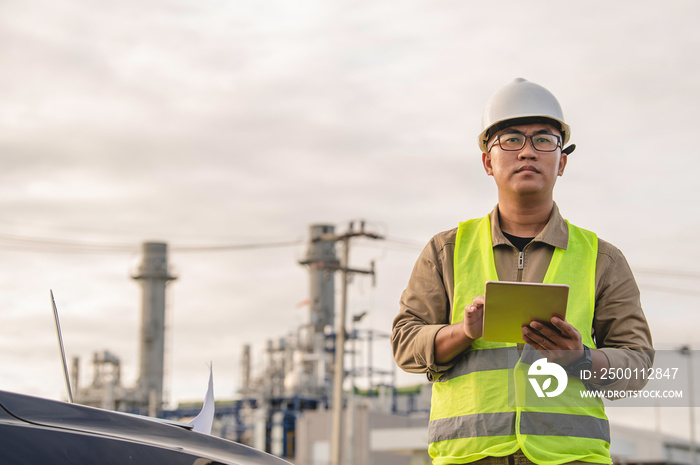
620, 328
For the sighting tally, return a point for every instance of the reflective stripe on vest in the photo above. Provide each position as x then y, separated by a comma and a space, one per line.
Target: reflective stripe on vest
483, 360
469, 419
503, 424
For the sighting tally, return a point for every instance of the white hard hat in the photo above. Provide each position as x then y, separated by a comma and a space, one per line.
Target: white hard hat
521, 100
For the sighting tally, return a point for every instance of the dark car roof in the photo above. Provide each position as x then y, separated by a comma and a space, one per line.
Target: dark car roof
128, 430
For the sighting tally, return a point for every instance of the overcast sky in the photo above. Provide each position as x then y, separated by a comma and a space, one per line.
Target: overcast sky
205, 123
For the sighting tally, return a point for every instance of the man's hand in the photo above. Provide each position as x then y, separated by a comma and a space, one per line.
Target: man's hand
561, 345
454, 339
474, 318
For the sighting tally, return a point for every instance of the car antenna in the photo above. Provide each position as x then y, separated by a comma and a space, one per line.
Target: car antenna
60, 345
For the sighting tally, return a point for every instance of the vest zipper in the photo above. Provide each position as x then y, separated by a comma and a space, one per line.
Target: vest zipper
521, 265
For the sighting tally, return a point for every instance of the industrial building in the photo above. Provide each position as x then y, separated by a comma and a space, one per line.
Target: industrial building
301, 375
106, 390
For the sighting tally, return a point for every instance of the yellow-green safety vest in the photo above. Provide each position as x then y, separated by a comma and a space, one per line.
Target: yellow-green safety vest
484, 405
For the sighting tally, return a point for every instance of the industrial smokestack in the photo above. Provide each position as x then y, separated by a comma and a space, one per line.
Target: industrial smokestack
153, 274
245, 370
322, 262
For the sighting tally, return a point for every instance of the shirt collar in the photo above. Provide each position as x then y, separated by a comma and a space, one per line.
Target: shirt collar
555, 232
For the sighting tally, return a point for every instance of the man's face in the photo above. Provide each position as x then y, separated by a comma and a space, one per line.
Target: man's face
526, 171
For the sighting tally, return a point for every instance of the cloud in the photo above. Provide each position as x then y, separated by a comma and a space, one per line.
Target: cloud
217, 123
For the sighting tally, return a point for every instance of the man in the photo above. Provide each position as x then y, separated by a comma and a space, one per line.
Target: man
476, 414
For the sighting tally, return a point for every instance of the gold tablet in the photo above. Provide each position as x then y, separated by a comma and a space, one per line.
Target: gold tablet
509, 306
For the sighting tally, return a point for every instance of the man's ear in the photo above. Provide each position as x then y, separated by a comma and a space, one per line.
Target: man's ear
562, 163
486, 160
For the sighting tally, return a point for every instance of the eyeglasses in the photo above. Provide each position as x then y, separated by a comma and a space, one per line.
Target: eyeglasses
513, 141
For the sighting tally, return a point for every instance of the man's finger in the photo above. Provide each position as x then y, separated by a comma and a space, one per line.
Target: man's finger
566, 329
537, 337
543, 329
473, 312
539, 347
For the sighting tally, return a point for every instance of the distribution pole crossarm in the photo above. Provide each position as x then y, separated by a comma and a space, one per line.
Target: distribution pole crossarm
349, 234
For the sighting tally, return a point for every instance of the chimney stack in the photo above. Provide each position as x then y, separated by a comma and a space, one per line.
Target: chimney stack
153, 275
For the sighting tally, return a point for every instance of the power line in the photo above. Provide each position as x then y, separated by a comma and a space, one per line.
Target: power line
38, 244
408, 243
671, 290
402, 245
53, 245
225, 247
668, 273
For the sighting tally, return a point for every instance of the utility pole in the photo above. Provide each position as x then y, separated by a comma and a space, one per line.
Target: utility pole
351, 402
685, 350
339, 369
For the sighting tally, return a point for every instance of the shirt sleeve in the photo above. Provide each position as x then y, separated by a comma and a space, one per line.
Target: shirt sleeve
620, 327
424, 310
